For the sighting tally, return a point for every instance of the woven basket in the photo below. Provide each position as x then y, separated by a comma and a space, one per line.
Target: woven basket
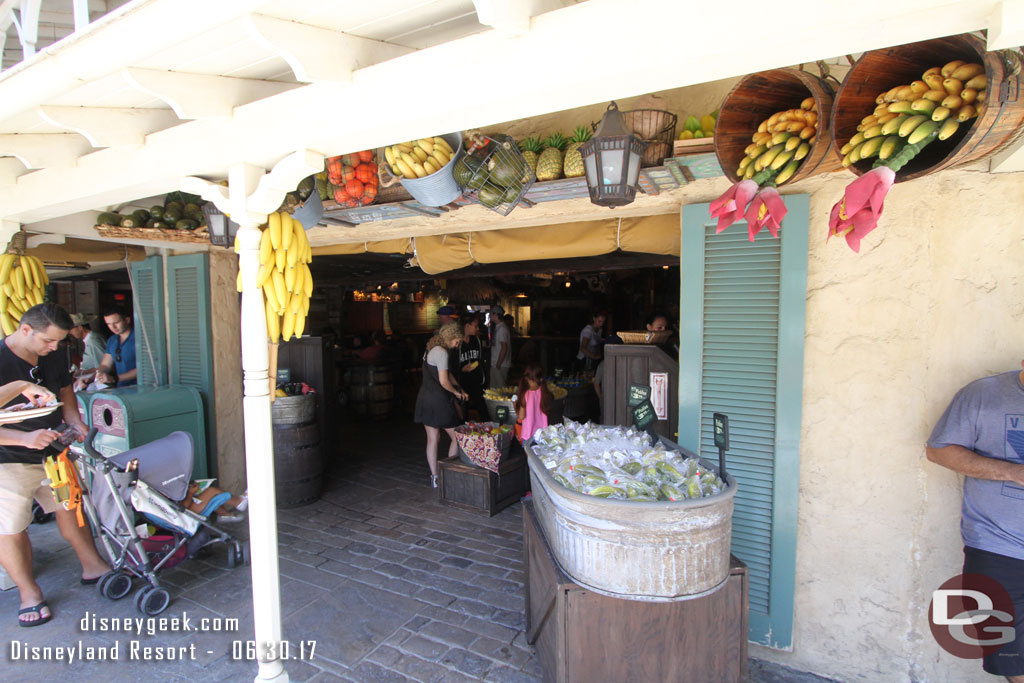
197, 236
645, 337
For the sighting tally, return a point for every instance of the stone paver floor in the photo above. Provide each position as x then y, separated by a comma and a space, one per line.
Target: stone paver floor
388, 583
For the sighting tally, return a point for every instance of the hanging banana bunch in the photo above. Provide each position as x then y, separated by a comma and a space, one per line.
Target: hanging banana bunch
284, 276
22, 282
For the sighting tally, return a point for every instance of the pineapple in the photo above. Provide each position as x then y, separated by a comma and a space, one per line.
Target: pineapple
573, 163
531, 149
549, 165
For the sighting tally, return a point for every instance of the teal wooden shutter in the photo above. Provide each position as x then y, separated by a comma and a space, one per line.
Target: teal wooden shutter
148, 302
742, 335
190, 357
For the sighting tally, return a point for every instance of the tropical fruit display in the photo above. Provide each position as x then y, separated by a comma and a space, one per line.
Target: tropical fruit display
531, 149
22, 282
549, 163
353, 178
907, 117
621, 463
179, 211
694, 128
781, 143
419, 158
284, 276
507, 393
572, 162
493, 172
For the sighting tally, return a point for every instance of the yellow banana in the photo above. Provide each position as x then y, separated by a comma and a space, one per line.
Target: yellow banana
768, 157
305, 305
901, 108
274, 226
968, 71
287, 231
300, 235
19, 282
13, 310
873, 132
968, 111
890, 146
287, 325
808, 132
782, 159
795, 126
300, 323
905, 93
238, 245
947, 70
779, 138
979, 82
803, 150
792, 143
855, 152
6, 323
261, 277
42, 271
893, 125
953, 102
405, 170
420, 155
441, 156
307, 275
908, 126
280, 259
968, 95
280, 291
402, 147
870, 147
273, 324
295, 302
289, 278
238, 281
430, 165
438, 140
952, 85
787, 172
5, 266
271, 295
940, 114
919, 86
292, 255
924, 106
426, 144
922, 131
934, 81
266, 248
29, 273
936, 95
390, 156
948, 127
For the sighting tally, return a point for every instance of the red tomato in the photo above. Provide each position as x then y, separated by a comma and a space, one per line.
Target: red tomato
354, 188
366, 155
350, 159
363, 173
340, 195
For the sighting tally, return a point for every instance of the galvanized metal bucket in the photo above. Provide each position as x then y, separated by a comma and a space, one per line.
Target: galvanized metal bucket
439, 188
655, 551
298, 410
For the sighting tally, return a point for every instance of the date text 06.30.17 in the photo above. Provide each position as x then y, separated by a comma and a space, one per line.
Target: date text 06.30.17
250, 650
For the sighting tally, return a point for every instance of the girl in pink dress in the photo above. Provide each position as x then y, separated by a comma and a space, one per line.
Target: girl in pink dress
533, 402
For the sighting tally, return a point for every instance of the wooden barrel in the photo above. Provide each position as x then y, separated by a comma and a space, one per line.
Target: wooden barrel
758, 96
879, 70
298, 464
299, 409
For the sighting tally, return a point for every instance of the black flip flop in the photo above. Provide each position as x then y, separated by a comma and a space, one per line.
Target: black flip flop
38, 610
90, 582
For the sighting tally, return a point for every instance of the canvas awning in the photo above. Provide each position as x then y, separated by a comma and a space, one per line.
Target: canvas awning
85, 251
443, 253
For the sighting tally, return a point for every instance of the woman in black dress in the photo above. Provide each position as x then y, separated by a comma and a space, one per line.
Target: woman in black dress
435, 409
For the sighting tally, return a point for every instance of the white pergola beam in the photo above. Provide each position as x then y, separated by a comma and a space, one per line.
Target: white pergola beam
44, 151
10, 169
264, 131
316, 54
1006, 25
507, 17
109, 127
198, 96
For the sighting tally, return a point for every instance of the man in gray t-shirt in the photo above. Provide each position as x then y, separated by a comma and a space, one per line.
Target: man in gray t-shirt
981, 436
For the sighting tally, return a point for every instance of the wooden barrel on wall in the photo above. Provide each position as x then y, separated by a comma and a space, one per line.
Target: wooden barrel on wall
298, 457
879, 70
758, 96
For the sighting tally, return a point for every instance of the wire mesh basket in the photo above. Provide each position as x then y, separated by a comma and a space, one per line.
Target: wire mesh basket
655, 127
494, 173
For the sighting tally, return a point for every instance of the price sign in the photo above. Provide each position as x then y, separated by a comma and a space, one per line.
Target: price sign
284, 375
644, 415
501, 412
638, 393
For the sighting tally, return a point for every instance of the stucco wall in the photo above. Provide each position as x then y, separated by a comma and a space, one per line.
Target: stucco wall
934, 300
227, 369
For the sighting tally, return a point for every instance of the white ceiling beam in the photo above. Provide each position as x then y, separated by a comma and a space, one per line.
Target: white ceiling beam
109, 127
197, 96
45, 151
507, 17
264, 131
317, 54
10, 169
36, 240
1006, 25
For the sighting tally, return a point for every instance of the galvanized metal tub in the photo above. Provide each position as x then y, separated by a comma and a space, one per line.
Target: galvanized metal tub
656, 551
297, 410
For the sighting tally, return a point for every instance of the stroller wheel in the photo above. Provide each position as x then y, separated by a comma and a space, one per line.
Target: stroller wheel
152, 601
246, 559
115, 586
233, 553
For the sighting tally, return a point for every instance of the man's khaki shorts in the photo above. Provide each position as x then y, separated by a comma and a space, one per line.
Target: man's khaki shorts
19, 484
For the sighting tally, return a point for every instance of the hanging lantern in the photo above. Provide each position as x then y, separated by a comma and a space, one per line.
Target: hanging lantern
611, 160
219, 227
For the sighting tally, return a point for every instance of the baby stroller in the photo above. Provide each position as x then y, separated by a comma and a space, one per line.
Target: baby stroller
150, 482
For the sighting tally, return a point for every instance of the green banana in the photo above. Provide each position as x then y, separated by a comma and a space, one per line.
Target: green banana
922, 131
803, 150
855, 152
768, 157
779, 138
908, 126
923, 105
893, 125
782, 159
890, 146
901, 107
787, 172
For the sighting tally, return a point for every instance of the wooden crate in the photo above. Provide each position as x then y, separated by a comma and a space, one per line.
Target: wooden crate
473, 488
697, 146
582, 635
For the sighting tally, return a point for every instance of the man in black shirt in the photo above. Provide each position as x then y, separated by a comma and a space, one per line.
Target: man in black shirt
470, 372
27, 354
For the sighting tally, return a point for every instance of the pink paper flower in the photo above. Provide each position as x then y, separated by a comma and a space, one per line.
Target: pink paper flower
730, 207
858, 212
766, 210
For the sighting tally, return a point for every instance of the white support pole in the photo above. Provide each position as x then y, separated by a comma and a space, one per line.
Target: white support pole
259, 449
81, 13
29, 27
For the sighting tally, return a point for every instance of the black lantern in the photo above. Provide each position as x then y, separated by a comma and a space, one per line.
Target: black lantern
219, 227
611, 160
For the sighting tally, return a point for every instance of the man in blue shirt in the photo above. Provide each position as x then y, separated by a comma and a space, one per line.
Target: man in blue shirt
118, 364
981, 436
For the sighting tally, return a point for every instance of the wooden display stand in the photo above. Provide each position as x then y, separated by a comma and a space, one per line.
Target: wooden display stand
582, 635
473, 488
626, 364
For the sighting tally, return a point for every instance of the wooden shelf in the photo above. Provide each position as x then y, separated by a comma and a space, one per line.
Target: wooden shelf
675, 172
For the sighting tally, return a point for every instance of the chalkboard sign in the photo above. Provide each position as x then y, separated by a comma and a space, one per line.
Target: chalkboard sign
638, 393
284, 375
501, 412
644, 415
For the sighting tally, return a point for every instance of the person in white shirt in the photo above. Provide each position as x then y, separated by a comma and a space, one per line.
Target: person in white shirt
591, 338
501, 348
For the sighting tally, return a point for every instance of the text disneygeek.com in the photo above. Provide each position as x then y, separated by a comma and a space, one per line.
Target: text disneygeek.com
133, 649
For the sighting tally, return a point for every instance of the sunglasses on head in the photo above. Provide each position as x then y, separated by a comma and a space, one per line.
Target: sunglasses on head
35, 375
